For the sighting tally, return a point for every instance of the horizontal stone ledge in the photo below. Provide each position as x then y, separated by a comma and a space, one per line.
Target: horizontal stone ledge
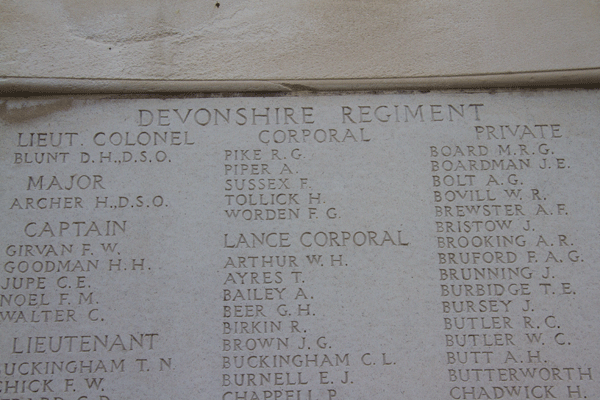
19, 86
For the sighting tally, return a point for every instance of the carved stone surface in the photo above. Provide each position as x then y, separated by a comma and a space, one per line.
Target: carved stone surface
258, 45
388, 246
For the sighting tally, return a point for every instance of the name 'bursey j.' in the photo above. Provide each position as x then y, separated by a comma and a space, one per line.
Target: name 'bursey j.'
439, 245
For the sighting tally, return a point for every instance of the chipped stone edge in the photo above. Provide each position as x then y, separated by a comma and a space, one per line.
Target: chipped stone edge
25, 86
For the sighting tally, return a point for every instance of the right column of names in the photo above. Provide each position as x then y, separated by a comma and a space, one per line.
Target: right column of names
505, 257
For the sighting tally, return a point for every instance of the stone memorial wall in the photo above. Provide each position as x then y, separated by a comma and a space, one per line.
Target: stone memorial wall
439, 245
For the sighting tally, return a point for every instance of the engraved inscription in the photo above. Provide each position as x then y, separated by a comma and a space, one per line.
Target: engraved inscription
434, 245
